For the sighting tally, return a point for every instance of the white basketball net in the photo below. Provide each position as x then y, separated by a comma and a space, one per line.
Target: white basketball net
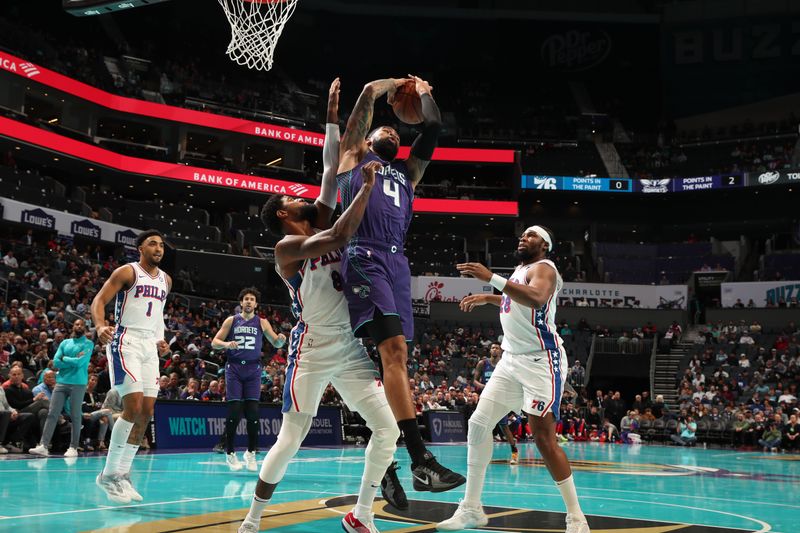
256, 26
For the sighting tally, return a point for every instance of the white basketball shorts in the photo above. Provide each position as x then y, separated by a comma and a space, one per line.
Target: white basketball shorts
322, 355
133, 362
532, 382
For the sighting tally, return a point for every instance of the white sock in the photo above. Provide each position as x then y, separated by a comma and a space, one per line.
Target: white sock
127, 458
570, 496
366, 496
256, 508
119, 441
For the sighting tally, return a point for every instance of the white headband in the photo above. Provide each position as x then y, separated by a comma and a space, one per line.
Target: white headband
543, 234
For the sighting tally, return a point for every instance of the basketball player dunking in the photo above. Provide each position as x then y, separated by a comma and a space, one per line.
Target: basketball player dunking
322, 348
483, 372
242, 335
530, 376
132, 348
377, 279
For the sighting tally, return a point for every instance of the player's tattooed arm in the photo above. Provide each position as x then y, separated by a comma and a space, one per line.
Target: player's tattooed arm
278, 340
219, 342
293, 248
121, 279
425, 143
354, 144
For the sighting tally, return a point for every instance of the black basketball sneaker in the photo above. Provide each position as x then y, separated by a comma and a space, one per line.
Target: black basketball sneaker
433, 477
391, 489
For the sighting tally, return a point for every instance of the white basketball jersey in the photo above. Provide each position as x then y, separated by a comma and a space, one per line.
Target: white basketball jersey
316, 291
142, 306
526, 330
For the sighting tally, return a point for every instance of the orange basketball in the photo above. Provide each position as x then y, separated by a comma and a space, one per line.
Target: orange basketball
407, 104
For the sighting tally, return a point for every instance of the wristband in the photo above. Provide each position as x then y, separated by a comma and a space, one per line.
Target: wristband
498, 282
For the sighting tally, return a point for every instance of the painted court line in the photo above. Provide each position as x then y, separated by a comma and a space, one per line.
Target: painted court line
106, 507
580, 488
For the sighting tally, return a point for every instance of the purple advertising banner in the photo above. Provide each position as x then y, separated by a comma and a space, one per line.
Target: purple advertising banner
189, 424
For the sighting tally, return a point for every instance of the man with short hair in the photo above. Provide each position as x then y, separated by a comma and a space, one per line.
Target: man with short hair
47, 386
9, 260
21, 426
72, 360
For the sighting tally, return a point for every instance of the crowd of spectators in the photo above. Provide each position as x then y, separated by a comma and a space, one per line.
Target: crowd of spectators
745, 379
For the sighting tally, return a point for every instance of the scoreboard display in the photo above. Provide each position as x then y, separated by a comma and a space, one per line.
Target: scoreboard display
630, 185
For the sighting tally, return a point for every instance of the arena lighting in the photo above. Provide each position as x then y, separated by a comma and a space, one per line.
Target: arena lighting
202, 176
20, 67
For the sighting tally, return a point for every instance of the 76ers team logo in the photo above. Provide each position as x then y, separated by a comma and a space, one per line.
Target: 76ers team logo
537, 405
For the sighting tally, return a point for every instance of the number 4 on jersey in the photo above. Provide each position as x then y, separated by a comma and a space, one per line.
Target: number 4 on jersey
391, 189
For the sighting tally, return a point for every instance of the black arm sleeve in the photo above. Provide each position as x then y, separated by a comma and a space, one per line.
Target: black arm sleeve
426, 141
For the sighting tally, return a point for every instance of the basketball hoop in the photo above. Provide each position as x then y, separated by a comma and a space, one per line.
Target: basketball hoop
256, 26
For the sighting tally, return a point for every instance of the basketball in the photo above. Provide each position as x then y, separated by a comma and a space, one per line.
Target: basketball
407, 104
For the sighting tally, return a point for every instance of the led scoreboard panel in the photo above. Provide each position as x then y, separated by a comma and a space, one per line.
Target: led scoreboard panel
628, 185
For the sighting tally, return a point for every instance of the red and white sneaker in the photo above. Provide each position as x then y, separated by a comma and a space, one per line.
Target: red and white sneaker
351, 524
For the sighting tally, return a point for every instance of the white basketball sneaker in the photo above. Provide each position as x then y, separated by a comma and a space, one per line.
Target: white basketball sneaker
465, 517
40, 450
71, 452
113, 489
248, 527
250, 460
577, 524
127, 487
233, 462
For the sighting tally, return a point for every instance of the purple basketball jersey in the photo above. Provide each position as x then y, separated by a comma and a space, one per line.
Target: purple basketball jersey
388, 213
249, 336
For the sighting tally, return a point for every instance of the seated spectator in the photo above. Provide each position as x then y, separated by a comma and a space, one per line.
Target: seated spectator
21, 398
610, 433
744, 362
192, 390
685, 432
771, 438
15, 427
212, 394
791, 434
47, 386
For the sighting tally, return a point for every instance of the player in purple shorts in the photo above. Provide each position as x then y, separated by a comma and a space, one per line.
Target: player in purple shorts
242, 335
377, 279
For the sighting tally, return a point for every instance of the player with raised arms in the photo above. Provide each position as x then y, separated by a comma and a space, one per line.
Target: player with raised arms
132, 347
530, 376
322, 348
377, 279
242, 335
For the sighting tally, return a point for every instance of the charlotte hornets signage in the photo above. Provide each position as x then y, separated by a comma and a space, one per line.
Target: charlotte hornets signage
66, 224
